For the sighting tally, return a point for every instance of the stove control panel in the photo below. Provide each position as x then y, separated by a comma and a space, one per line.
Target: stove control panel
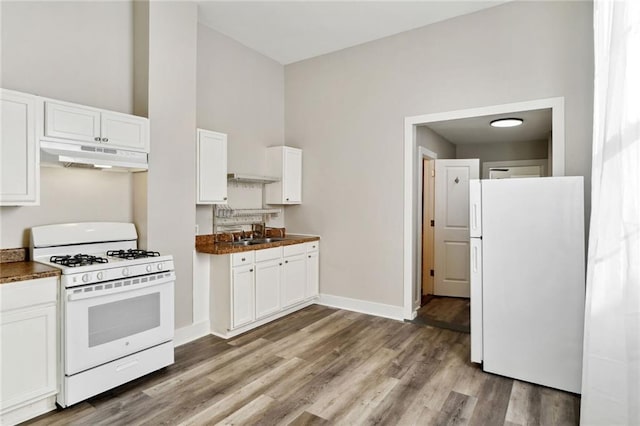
117, 272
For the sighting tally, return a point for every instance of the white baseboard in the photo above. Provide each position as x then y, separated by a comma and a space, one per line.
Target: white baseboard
191, 332
28, 411
232, 333
363, 306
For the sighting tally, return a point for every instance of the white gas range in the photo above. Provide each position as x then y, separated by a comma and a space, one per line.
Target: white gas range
116, 305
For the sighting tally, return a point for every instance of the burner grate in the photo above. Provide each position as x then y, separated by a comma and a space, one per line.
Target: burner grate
77, 260
132, 254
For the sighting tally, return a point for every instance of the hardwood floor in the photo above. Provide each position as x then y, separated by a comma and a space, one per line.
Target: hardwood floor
453, 313
322, 366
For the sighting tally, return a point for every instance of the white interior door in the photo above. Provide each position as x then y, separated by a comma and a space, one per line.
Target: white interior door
451, 257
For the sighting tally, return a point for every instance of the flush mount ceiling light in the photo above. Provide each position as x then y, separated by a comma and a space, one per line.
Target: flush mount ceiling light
506, 122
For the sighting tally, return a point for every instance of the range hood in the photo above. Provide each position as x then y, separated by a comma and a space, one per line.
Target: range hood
245, 178
87, 156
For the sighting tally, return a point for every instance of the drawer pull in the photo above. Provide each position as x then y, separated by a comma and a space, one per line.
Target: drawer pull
243, 259
127, 365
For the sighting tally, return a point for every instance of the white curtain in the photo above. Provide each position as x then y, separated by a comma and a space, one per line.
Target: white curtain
611, 365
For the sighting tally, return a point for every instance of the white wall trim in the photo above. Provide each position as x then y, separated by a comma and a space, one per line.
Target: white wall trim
362, 306
410, 123
191, 332
422, 154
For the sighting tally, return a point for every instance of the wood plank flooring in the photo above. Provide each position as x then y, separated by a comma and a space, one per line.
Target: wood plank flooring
323, 366
453, 313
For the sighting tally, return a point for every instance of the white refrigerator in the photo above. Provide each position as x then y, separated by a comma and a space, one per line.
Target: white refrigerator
528, 278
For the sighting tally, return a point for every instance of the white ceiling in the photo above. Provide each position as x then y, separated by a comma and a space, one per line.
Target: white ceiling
536, 126
290, 31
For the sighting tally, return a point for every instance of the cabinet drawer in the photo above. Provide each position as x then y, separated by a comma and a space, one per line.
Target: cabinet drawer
244, 258
313, 246
294, 249
23, 294
268, 254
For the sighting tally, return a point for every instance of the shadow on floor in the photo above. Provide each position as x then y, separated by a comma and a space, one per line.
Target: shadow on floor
451, 313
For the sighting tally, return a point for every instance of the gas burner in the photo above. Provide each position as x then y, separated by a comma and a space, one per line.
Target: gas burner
132, 254
77, 260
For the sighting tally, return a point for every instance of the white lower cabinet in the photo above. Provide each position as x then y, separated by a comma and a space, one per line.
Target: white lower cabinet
251, 288
293, 282
312, 287
242, 297
268, 277
28, 342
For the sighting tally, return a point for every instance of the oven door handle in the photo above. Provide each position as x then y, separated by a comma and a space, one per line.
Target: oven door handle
131, 287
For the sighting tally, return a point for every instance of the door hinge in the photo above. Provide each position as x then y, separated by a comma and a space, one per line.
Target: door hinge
433, 173
431, 272
433, 222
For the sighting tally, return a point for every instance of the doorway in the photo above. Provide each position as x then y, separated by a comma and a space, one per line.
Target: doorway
445, 243
414, 181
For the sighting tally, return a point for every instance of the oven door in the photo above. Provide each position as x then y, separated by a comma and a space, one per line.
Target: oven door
107, 321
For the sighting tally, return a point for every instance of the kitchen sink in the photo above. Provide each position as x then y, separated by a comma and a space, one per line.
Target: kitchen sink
256, 241
267, 240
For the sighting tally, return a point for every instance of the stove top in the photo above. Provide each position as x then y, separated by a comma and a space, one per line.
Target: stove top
77, 260
132, 254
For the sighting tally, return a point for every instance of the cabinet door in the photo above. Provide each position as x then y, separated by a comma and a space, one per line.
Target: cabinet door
268, 287
293, 280
28, 349
72, 122
19, 169
242, 295
211, 167
125, 131
313, 275
292, 176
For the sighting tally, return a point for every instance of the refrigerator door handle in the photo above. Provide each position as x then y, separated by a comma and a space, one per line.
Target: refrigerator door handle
475, 259
475, 216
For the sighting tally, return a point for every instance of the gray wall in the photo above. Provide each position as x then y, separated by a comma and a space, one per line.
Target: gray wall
75, 51
241, 93
171, 179
427, 138
56, 49
347, 110
529, 150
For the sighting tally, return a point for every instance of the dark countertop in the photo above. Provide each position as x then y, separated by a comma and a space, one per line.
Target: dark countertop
207, 244
11, 272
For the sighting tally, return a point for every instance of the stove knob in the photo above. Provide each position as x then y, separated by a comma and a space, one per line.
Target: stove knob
160, 266
99, 275
149, 268
86, 278
125, 272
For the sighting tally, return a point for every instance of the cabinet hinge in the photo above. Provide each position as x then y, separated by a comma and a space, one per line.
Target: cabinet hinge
433, 173
433, 222
431, 272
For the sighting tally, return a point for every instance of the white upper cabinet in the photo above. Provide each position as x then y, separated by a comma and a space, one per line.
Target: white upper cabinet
211, 167
91, 125
285, 163
124, 130
19, 154
72, 122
